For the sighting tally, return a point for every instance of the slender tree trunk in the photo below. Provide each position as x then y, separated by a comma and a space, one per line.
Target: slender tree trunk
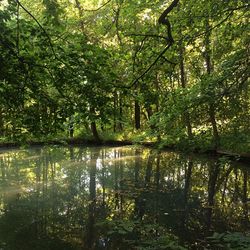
209, 68
1, 123
186, 115
115, 111
137, 115
149, 112
93, 127
71, 127
120, 113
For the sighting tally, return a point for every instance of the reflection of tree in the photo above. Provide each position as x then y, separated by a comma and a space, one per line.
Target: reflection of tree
149, 167
59, 192
139, 200
116, 155
224, 178
188, 175
245, 200
103, 178
121, 168
213, 172
90, 229
157, 188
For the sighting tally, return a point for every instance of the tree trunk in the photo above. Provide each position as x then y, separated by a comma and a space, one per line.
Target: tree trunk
93, 126
1, 123
186, 116
209, 68
120, 113
94, 131
115, 111
137, 115
71, 127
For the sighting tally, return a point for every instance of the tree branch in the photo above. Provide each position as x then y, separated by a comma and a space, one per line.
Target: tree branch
211, 28
150, 67
167, 60
164, 21
163, 17
41, 27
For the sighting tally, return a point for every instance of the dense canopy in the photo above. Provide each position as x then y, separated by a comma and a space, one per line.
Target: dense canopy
169, 71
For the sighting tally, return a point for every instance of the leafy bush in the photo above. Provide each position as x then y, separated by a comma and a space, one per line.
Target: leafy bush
230, 241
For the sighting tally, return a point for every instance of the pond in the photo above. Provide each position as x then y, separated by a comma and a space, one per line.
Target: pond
120, 198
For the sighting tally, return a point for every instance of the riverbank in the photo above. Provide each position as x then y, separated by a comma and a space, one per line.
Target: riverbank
244, 157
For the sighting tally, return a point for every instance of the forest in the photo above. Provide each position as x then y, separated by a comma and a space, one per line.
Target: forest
171, 72
124, 124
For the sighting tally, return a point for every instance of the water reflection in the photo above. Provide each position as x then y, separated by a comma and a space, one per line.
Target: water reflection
117, 198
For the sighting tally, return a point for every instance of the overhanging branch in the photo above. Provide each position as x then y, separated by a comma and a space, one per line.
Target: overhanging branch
40, 26
164, 21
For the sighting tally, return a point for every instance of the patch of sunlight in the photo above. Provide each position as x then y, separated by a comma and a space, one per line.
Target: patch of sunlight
99, 165
2, 209
3, 4
123, 158
145, 14
31, 157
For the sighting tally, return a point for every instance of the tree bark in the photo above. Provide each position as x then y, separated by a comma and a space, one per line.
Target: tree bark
186, 116
137, 115
209, 68
115, 111
1, 123
120, 127
94, 131
93, 126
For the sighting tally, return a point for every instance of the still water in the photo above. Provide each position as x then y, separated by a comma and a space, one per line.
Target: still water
118, 198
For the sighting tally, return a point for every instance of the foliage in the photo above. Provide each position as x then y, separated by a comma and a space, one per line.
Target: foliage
137, 235
230, 241
71, 66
